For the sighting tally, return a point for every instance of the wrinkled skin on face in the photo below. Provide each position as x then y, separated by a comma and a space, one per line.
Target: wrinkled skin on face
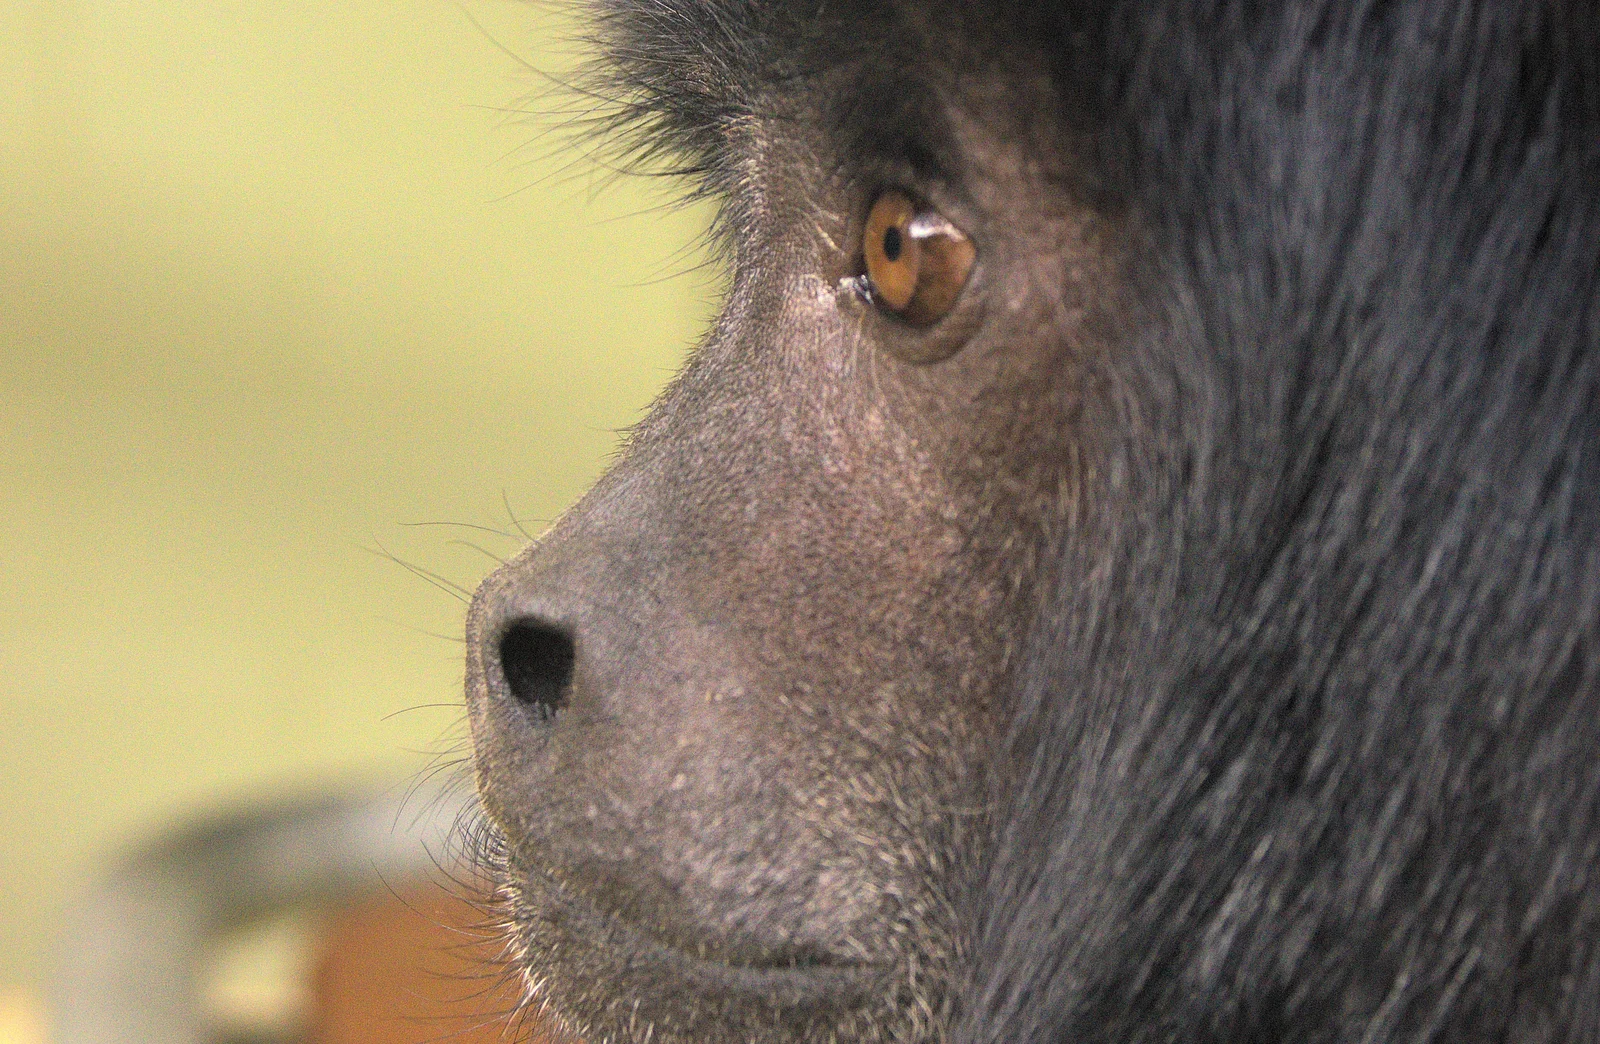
1192, 633
793, 606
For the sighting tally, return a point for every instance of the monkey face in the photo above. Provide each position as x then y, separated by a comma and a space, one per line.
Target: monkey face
735, 712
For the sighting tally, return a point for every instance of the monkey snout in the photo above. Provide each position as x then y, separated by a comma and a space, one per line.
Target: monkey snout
522, 659
530, 655
585, 692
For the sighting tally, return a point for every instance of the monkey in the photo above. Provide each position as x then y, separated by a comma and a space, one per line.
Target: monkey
1123, 564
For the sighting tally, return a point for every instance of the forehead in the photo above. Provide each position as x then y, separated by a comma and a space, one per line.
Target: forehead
878, 76
789, 114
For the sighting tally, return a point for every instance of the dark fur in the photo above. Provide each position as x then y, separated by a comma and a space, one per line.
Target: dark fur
1285, 520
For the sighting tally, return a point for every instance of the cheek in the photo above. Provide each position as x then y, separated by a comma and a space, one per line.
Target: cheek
849, 470
872, 520
859, 573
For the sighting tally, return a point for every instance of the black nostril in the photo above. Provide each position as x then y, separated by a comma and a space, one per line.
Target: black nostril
537, 660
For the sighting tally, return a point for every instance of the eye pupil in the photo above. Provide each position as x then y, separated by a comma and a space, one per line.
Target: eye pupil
891, 243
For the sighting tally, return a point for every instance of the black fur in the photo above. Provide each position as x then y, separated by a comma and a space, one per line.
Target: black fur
1302, 738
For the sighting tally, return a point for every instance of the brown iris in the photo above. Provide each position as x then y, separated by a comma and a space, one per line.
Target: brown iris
917, 262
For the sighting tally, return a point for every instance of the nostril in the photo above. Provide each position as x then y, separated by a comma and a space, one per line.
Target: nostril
537, 660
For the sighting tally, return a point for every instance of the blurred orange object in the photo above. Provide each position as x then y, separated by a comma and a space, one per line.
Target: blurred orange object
417, 967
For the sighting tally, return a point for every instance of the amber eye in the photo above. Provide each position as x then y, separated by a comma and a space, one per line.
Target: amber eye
917, 262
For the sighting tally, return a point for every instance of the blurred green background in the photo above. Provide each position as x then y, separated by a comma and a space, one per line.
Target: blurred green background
283, 288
